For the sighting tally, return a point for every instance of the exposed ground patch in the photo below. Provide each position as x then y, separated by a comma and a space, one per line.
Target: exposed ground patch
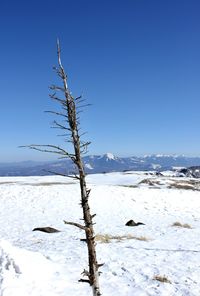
107, 238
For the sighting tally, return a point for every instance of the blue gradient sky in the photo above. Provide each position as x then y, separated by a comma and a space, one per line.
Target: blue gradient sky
136, 61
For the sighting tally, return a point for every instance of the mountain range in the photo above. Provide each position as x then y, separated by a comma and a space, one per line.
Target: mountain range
99, 164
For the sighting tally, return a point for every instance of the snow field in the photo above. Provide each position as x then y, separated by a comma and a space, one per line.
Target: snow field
36, 263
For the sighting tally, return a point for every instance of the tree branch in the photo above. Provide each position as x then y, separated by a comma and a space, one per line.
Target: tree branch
56, 150
77, 225
56, 113
58, 125
55, 87
55, 173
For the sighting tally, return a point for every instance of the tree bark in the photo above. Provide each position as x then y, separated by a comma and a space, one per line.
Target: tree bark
69, 107
93, 274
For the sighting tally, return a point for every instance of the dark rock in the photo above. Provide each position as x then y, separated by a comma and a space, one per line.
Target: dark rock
46, 229
159, 174
191, 172
133, 223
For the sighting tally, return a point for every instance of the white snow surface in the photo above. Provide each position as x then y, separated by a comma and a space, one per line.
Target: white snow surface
88, 166
156, 166
110, 156
41, 264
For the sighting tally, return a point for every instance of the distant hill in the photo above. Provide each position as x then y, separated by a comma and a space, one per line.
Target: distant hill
100, 163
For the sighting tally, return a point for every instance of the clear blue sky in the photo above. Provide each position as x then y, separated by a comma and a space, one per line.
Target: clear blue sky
136, 61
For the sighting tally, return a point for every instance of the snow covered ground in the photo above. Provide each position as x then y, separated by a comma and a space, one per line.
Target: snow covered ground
136, 259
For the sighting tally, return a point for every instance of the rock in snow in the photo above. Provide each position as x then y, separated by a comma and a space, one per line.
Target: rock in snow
46, 229
133, 223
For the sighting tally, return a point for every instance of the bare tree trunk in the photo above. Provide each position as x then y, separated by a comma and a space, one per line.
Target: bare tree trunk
93, 273
69, 107
90, 238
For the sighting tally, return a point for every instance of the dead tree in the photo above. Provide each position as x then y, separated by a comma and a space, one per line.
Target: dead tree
71, 128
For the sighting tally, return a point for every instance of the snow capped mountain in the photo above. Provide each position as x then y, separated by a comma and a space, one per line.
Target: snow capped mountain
88, 166
109, 156
100, 163
155, 166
